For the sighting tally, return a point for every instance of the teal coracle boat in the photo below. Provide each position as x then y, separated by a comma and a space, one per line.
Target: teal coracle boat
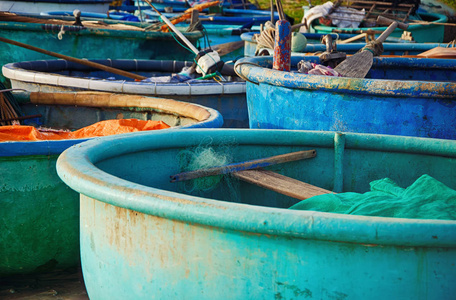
39, 213
144, 237
93, 41
399, 96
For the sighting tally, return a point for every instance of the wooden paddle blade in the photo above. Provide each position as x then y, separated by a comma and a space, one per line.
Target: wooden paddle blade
356, 66
229, 47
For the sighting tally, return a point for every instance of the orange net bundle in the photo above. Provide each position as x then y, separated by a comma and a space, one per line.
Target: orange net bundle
103, 128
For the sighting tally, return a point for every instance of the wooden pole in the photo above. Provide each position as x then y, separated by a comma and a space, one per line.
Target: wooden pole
249, 165
76, 60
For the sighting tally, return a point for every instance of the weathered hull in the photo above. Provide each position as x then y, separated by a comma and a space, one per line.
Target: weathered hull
142, 238
413, 97
430, 32
89, 43
227, 97
40, 214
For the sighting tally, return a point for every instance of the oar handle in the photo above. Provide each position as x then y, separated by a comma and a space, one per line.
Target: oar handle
381, 20
387, 32
173, 28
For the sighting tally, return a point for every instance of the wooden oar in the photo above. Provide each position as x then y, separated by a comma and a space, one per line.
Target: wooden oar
76, 60
226, 48
359, 64
249, 165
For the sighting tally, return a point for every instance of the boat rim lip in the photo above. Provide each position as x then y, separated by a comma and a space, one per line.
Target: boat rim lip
15, 73
56, 147
251, 71
77, 168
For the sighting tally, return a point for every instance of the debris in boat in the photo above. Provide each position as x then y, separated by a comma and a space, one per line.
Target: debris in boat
331, 57
316, 69
426, 198
357, 13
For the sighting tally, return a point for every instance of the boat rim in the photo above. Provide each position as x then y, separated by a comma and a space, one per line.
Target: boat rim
77, 168
205, 117
254, 70
14, 71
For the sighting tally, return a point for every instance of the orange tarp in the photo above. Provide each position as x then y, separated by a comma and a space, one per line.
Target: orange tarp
103, 128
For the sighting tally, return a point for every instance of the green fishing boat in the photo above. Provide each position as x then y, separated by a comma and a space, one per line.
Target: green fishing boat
39, 214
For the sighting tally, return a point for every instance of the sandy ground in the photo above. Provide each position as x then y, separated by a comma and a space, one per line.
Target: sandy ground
58, 285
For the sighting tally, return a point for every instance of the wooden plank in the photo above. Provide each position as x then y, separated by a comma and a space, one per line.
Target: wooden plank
280, 183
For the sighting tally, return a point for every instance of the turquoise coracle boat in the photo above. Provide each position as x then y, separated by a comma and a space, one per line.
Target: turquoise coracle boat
144, 237
399, 96
39, 213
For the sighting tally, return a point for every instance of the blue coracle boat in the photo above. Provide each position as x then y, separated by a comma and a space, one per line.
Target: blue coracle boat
399, 96
144, 237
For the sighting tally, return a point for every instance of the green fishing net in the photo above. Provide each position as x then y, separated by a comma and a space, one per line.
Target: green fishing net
426, 198
204, 156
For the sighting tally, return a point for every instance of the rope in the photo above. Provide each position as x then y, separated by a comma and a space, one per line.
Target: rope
375, 47
266, 37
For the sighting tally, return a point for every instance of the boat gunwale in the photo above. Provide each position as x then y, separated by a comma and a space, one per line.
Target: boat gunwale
76, 167
254, 70
204, 117
14, 71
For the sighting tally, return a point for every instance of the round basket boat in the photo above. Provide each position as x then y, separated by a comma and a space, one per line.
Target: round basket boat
399, 96
143, 237
427, 30
227, 97
39, 212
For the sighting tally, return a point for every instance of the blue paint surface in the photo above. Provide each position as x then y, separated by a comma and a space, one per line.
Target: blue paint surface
412, 97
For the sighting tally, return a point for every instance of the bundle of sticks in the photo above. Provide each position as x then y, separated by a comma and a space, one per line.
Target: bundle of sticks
9, 110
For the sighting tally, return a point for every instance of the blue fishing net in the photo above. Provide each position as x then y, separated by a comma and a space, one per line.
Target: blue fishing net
426, 198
